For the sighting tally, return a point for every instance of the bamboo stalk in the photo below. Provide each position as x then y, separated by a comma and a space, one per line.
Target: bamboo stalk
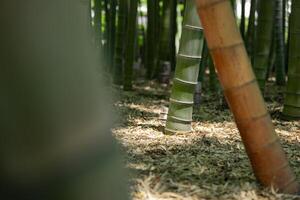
203, 63
201, 74
157, 36
106, 35
112, 32
263, 40
129, 52
173, 33
213, 80
119, 47
279, 43
292, 100
150, 48
244, 97
186, 73
164, 50
98, 22
243, 18
251, 29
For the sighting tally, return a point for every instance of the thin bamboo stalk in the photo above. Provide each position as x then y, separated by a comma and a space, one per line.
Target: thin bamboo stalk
244, 97
119, 47
201, 74
150, 48
157, 30
279, 43
98, 22
173, 33
130, 44
272, 55
292, 100
164, 50
213, 80
186, 73
204, 62
243, 18
233, 3
112, 32
263, 40
251, 29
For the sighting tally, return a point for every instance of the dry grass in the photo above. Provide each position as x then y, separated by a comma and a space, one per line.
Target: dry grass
208, 163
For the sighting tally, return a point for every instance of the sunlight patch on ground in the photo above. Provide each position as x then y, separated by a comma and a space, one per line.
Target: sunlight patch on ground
208, 163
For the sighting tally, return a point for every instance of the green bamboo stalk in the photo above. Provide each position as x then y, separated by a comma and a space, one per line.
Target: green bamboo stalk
157, 27
285, 32
201, 74
165, 32
291, 108
98, 22
287, 46
173, 33
119, 47
90, 13
284, 18
150, 46
186, 73
243, 18
112, 32
106, 34
142, 39
204, 62
164, 51
233, 3
130, 44
213, 80
272, 55
263, 40
280, 43
251, 29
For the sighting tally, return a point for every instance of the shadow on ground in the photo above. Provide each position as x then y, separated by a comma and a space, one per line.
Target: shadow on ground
208, 163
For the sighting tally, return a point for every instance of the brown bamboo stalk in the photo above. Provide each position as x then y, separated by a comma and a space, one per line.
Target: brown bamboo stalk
244, 97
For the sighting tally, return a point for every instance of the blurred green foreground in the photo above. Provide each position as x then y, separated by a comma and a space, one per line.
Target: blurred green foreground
55, 138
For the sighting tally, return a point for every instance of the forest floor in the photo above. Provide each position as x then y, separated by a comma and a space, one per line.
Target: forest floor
208, 163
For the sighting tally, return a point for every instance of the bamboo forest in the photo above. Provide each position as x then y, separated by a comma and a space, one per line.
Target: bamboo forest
150, 99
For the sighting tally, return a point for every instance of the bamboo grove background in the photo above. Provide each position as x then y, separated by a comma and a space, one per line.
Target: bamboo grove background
140, 40
163, 41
